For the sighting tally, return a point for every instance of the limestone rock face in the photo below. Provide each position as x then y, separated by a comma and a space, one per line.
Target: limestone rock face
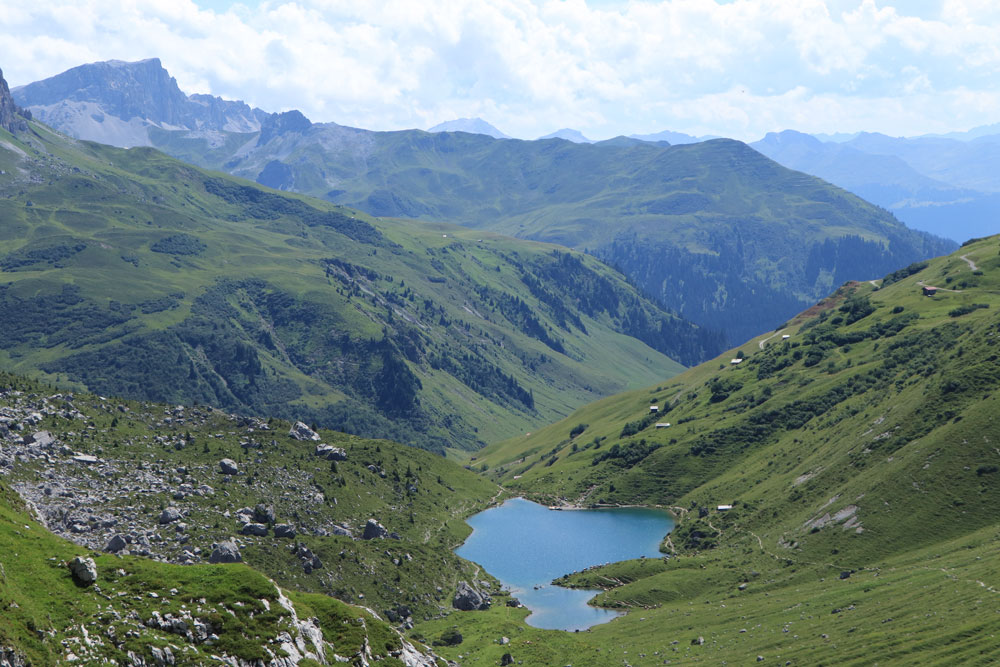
11, 118
84, 570
468, 598
225, 552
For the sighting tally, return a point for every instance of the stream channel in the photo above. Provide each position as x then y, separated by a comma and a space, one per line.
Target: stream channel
526, 545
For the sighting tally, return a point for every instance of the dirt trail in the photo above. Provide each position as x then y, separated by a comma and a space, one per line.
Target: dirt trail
972, 265
761, 343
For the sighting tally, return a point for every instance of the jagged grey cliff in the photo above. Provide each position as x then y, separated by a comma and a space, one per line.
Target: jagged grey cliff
118, 102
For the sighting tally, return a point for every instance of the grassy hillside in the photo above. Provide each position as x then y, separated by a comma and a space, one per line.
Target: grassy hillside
859, 457
715, 230
130, 273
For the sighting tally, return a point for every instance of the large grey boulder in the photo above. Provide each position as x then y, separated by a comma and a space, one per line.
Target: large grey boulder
225, 552
258, 529
284, 530
169, 515
468, 598
116, 543
302, 432
374, 531
41, 439
84, 570
228, 467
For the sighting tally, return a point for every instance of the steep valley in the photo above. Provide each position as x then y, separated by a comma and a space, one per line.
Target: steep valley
130, 273
233, 420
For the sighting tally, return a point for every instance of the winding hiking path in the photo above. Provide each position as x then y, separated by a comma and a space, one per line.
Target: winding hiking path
972, 265
761, 343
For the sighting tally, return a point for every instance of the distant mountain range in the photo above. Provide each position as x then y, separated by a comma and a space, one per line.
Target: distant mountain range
672, 137
716, 231
568, 134
945, 186
470, 125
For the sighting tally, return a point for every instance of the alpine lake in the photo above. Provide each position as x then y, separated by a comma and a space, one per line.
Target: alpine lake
526, 545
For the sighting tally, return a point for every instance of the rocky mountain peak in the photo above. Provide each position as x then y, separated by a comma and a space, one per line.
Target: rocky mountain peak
12, 118
278, 124
116, 102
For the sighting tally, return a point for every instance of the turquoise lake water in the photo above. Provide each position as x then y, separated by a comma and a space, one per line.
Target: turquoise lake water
524, 545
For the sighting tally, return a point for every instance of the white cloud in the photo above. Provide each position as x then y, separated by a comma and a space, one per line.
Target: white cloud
738, 68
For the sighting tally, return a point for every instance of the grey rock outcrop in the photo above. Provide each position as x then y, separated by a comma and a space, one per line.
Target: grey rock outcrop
140, 92
374, 531
284, 530
468, 598
225, 552
301, 431
228, 467
263, 513
11, 658
11, 116
258, 529
331, 453
84, 570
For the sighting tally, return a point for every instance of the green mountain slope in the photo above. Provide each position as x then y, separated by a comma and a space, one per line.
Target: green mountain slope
718, 232
715, 230
131, 273
859, 456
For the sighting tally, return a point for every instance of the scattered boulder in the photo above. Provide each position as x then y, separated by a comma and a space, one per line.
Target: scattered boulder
331, 453
468, 598
258, 529
169, 515
263, 513
310, 561
697, 641
506, 659
84, 570
225, 552
284, 530
846, 574
374, 530
302, 432
342, 531
116, 543
228, 467
40, 439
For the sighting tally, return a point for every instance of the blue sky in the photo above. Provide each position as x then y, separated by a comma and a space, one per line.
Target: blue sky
737, 68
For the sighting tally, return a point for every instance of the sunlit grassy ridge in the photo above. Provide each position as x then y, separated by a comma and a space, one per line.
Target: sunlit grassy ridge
860, 459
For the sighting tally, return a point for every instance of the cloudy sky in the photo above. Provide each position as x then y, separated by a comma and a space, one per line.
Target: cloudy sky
737, 68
